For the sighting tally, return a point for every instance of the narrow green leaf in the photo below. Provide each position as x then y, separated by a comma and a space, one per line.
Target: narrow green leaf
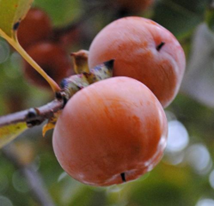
11, 13
209, 18
10, 132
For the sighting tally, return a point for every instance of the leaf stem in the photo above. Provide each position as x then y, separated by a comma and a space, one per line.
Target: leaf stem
14, 42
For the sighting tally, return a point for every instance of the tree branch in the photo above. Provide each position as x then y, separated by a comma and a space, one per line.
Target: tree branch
33, 116
33, 178
71, 85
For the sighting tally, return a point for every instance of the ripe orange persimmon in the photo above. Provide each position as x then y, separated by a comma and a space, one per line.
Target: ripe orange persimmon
36, 26
110, 132
134, 5
144, 50
52, 58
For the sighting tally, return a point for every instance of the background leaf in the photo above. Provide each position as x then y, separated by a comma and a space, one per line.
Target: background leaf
198, 80
10, 132
209, 18
179, 16
12, 12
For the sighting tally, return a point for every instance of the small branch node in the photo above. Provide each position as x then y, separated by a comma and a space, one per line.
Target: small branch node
31, 117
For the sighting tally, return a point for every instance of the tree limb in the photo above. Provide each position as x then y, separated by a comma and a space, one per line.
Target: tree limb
33, 178
33, 116
71, 85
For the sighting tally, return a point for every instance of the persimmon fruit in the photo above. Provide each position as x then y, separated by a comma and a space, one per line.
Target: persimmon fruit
52, 58
110, 132
134, 5
35, 27
144, 50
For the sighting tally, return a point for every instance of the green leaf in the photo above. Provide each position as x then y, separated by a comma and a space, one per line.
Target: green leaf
11, 13
10, 132
179, 16
209, 18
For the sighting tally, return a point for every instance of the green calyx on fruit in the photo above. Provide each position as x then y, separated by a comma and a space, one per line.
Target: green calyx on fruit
74, 83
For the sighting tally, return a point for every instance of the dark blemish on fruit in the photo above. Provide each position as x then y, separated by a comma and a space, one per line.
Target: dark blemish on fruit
123, 177
16, 25
160, 46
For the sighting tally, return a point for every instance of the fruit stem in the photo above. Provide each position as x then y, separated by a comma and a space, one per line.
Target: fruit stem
160, 46
123, 177
14, 42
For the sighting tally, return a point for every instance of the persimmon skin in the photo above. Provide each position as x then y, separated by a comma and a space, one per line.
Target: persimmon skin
135, 5
143, 50
53, 59
35, 27
111, 128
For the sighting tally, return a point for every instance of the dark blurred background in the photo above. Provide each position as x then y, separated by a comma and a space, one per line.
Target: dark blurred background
29, 172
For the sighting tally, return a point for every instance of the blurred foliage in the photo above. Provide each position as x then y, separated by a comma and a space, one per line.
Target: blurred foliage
61, 12
11, 12
9, 132
180, 16
185, 175
209, 17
